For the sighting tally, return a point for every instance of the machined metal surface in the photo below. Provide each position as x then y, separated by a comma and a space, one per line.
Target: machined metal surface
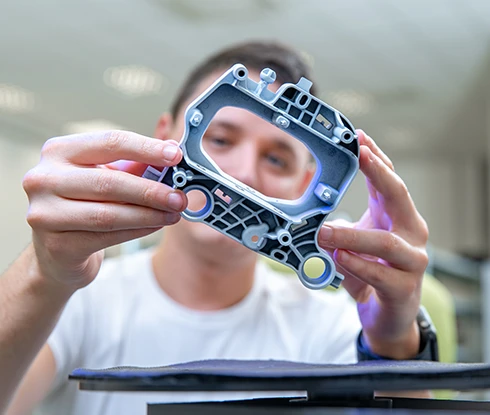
285, 231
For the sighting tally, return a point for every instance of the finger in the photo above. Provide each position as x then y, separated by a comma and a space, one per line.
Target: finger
357, 289
133, 167
396, 198
115, 186
339, 222
109, 146
373, 242
72, 215
369, 142
381, 277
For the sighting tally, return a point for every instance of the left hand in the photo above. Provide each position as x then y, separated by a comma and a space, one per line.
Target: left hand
383, 257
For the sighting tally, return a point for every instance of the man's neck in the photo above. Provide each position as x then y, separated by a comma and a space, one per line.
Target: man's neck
199, 282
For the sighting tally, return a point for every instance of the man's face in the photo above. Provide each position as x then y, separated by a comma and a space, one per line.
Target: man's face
253, 151
257, 153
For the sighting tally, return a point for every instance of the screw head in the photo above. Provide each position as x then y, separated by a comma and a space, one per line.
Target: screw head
268, 75
327, 194
196, 118
282, 122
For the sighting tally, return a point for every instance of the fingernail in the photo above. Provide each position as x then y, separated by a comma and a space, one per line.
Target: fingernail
175, 201
170, 151
326, 235
173, 218
342, 256
370, 156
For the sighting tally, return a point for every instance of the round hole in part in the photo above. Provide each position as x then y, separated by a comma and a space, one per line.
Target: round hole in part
241, 73
255, 238
347, 136
317, 271
199, 203
285, 239
314, 267
179, 180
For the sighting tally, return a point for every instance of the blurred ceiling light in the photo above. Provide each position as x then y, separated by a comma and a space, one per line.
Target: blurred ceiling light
79, 127
135, 80
348, 101
15, 99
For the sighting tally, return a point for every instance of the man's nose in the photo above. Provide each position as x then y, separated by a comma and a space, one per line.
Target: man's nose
243, 166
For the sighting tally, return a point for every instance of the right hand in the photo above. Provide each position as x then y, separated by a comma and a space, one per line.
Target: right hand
86, 194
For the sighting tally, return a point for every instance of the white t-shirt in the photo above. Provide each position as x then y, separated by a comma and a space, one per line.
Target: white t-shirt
124, 318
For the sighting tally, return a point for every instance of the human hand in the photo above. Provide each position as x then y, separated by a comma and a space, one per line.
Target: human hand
86, 195
383, 257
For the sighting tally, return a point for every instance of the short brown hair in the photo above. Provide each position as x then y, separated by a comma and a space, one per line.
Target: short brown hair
285, 61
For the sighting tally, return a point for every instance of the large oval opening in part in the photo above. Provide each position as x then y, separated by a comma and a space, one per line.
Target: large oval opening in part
259, 154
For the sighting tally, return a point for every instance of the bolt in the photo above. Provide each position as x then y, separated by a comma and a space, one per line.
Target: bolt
327, 194
268, 75
281, 121
196, 118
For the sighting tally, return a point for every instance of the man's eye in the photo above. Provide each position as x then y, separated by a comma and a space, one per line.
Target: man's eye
277, 161
218, 141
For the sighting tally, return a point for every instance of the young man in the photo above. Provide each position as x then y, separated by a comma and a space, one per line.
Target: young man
198, 295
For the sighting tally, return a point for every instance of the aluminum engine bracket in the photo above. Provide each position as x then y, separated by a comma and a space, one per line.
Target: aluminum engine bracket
285, 231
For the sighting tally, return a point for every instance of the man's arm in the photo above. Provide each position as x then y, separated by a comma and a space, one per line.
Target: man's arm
29, 308
36, 384
84, 196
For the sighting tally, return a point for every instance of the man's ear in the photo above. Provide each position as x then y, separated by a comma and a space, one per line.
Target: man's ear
164, 126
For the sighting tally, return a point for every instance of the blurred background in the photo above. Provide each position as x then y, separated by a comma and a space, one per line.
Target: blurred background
414, 74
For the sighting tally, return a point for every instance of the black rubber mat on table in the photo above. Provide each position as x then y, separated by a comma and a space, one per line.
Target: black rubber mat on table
266, 375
